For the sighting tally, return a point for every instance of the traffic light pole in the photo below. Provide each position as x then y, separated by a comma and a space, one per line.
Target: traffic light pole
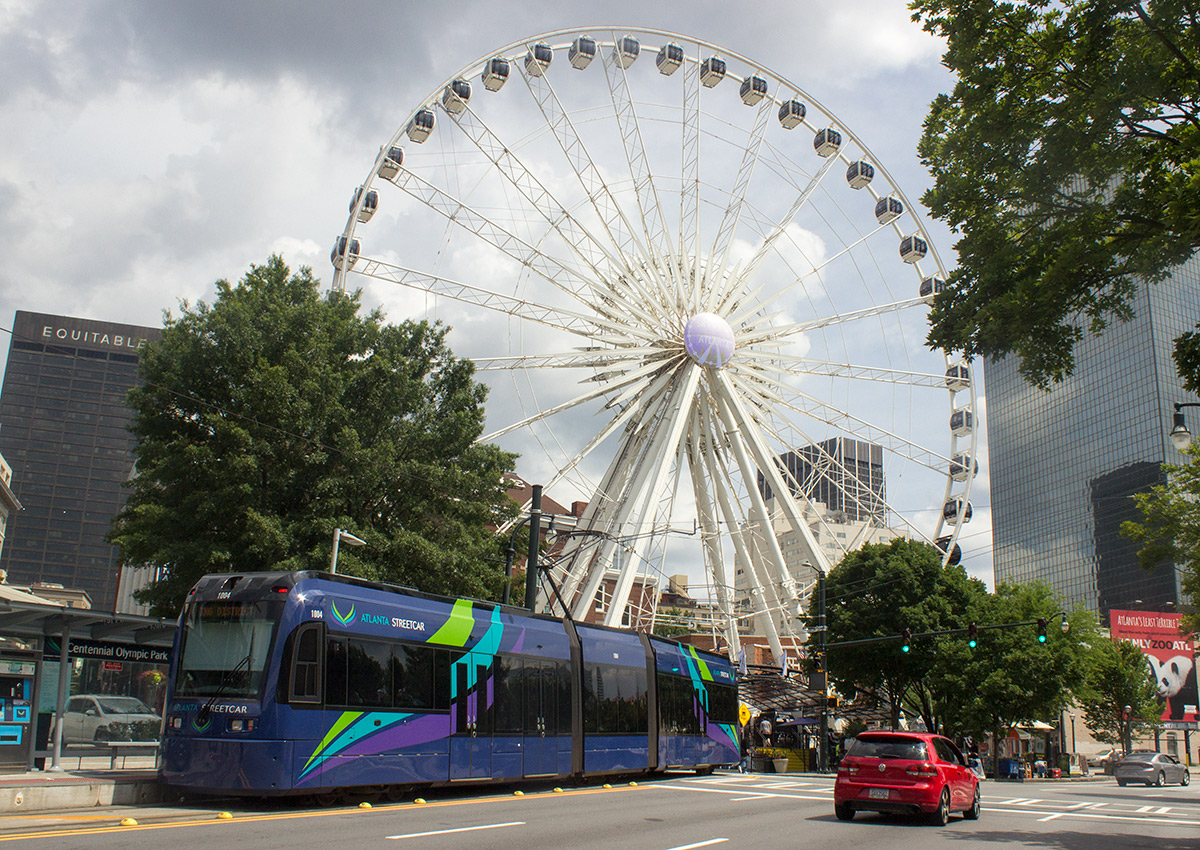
823, 727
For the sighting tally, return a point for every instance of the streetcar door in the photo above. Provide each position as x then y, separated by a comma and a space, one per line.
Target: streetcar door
547, 712
471, 744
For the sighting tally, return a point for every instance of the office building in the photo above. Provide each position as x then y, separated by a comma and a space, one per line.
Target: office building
64, 430
844, 475
1065, 464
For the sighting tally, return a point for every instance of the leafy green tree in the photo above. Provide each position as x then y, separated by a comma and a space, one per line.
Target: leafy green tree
1068, 160
877, 592
276, 415
1170, 530
1118, 676
1009, 678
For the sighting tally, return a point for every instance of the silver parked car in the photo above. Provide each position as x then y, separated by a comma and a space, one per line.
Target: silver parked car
1151, 769
97, 718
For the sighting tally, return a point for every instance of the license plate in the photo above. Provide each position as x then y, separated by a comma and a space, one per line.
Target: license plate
877, 793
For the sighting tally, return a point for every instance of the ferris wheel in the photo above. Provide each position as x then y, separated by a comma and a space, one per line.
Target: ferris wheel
700, 303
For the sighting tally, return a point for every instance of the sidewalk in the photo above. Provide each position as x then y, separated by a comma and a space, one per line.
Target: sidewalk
91, 783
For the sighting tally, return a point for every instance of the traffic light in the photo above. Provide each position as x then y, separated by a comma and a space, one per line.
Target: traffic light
905, 640
832, 700
972, 635
1041, 627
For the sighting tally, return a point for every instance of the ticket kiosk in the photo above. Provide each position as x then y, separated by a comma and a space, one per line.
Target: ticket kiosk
18, 672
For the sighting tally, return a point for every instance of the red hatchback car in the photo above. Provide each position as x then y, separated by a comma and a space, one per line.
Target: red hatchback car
913, 772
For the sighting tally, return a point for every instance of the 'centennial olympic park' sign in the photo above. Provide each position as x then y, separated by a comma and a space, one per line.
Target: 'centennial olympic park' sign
107, 651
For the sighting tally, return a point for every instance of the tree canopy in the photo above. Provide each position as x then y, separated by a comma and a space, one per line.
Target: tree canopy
877, 592
1118, 676
276, 415
1067, 158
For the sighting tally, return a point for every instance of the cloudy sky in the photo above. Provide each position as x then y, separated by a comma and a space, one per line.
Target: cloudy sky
152, 148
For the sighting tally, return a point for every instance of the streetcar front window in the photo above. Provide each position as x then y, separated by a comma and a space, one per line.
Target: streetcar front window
226, 645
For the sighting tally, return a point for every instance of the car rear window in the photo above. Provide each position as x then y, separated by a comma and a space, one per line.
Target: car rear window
889, 748
1139, 757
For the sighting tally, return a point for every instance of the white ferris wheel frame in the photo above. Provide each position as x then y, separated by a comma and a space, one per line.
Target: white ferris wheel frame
619, 286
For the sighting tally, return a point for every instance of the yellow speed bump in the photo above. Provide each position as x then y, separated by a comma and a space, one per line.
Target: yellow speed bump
128, 822
224, 816
364, 805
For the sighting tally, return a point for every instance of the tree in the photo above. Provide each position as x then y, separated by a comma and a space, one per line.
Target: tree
276, 415
877, 592
1068, 158
1118, 676
1011, 678
1170, 530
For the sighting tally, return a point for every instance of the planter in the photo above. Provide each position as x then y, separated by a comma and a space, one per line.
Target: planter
780, 765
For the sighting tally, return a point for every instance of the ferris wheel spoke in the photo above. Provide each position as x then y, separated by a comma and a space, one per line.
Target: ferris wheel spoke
551, 269
746, 272
719, 254
852, 426
590, 327
781, 333
638, 378
689, 194
595, 357
585, 246
786, 364
815, 269
650, 211
588, 174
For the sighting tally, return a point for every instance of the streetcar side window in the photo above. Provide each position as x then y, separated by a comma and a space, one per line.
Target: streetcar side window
304, 683
614, 699
412, 677
369, 674
722, 703
335, 672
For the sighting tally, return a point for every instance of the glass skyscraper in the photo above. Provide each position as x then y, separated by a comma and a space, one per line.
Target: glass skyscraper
1064, 464
63, 428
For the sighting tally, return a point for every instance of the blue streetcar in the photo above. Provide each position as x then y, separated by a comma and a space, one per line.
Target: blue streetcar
309, 683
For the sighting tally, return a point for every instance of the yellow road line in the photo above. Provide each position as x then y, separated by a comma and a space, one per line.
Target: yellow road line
214, 821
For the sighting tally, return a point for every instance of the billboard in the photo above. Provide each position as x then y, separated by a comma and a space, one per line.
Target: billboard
1171, 656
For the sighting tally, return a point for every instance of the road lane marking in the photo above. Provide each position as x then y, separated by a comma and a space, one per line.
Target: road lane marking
1050, 817
458, 829
755, 797
1089, 814
1028, 802
699, 844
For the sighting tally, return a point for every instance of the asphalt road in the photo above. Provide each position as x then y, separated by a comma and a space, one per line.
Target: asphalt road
726, 811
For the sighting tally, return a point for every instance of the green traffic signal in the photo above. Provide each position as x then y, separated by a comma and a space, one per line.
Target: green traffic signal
972, 635
1041, 629
906, 637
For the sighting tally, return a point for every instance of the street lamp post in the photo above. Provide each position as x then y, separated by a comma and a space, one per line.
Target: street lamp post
531, 564
1127, 715
338, 536
1072, 733
1181, 437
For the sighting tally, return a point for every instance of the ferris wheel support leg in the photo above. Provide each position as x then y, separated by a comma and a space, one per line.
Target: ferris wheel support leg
758, 508
651, 480
734, 522
710, 535
771, 472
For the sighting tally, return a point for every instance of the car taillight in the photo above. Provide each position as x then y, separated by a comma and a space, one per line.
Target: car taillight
848, 767
922, 770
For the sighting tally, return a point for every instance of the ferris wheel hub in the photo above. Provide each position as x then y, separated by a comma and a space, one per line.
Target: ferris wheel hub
708, 339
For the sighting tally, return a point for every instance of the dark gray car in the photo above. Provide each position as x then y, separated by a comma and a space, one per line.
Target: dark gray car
1151, 769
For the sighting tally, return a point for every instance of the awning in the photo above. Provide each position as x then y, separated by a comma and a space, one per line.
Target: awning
25, 619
